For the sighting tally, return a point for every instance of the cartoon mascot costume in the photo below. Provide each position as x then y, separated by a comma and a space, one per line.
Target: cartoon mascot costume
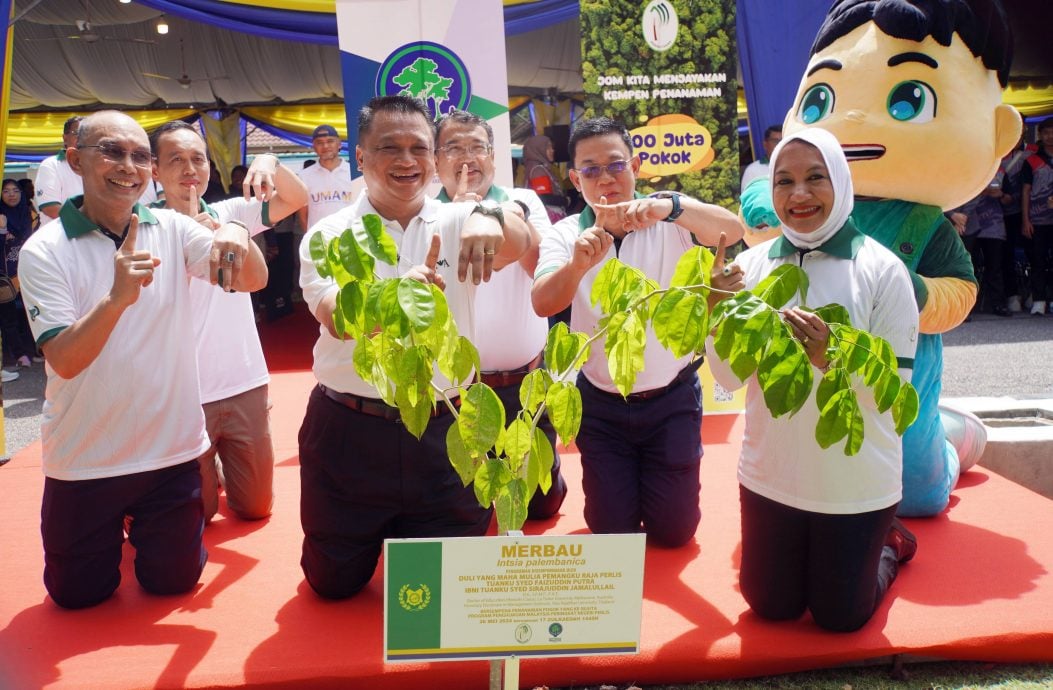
913, 91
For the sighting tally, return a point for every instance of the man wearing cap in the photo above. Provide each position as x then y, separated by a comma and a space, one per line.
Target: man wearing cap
510, 336
329, 182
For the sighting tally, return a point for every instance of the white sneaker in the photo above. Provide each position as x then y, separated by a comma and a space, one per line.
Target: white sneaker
1014, 303
6, 376
1038, 307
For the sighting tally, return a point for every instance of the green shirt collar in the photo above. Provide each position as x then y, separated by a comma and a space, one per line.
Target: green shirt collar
845, 244
76, 223
495, 194
203, 207
61, 155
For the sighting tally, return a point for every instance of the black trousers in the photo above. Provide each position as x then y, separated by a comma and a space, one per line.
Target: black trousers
835, 566
987, 263
364, 479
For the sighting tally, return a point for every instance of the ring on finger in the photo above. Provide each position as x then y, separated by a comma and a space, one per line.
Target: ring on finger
489, 252
229, 257
726, 271
804, 340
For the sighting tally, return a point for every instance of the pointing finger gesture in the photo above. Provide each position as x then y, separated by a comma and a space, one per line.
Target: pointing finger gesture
133, 269
462, 193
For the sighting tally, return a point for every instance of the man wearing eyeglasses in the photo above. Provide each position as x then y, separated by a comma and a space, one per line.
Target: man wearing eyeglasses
57, 181
105, 288
640, 455
363, 476
509, 335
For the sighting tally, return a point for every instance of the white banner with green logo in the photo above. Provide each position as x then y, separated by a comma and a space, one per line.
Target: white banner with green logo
449, 53
493, 597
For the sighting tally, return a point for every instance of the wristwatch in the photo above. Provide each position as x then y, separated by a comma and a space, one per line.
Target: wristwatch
677, 208
489, 207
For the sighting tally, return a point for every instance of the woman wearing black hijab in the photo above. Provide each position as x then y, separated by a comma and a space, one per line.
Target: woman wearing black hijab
16, 225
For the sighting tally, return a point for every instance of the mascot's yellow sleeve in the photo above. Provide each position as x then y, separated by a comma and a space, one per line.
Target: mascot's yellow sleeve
949, 303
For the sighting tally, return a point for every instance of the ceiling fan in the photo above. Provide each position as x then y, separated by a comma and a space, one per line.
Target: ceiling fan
184, 79
86, 31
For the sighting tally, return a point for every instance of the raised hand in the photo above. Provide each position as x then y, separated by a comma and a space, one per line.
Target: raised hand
260, 177
725, 276
591, 248
632, 215
426, 272
202, 217
133, 269
462, 193
230, 246
481, 239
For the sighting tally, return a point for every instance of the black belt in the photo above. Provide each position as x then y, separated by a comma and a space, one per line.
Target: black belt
681, 376
513, 377
372, 406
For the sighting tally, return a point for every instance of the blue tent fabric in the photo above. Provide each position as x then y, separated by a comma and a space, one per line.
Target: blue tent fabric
774, 39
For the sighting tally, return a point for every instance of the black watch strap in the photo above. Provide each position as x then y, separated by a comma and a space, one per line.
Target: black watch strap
677, 211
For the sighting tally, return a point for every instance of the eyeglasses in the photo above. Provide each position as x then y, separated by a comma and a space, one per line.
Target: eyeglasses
458, 151
613, 169
141, 158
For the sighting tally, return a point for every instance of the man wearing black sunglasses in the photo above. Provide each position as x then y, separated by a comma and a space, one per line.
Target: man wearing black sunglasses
105, 288
640, 454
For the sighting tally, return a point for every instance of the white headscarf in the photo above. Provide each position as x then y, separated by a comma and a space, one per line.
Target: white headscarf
840, 177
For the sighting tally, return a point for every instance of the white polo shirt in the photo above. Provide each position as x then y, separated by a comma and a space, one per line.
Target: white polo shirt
136, 407
655, 251
781, 459
509, 333
55, 182
333, 364
229, 355
328, 191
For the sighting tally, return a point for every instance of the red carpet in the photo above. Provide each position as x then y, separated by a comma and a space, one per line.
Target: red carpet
980, 588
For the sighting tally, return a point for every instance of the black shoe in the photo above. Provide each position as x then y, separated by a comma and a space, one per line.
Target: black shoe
1001, 311
902, 541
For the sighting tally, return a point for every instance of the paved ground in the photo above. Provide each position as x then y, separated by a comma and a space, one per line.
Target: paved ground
989, 355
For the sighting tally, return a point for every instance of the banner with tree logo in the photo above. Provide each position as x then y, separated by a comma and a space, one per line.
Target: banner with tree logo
666, 68
449, 53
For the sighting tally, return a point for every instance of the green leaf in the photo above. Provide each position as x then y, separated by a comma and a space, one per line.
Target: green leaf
417, 303
855, 348
563, 350
351, 304
905, 409
693, 268
414, 374
834, 313
886, 390
517, 440
542, 457
785, 375
833, 381
780, 285
680, 321
510, 504
372, 235
625, 343
834, 418
564, 409
532, 390
460, 360
320, 255
489, 478
373, 310
415, 416
751, 339
364, 358
392, 319
336, 264
617, 286
460, 458
355, 260
482, 418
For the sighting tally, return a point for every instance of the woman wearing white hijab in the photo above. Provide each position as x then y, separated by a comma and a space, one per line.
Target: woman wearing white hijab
818, 528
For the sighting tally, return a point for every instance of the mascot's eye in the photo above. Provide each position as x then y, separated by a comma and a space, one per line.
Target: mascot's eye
912, 101
816, 105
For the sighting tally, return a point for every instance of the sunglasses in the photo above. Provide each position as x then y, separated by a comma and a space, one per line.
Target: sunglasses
614, 169
141, 158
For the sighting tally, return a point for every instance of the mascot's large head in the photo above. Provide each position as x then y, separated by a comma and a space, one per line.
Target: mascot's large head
913, 91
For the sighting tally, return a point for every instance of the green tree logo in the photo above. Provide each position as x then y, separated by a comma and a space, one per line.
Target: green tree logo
422, 80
